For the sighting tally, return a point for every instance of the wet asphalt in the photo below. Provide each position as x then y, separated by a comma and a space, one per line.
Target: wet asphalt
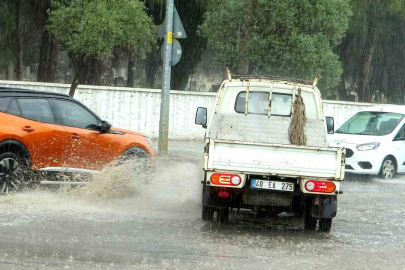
155, 224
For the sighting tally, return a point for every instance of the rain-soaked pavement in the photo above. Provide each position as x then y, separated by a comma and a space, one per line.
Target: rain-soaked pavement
125, 221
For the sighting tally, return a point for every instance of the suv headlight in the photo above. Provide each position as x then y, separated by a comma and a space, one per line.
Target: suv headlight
368, 146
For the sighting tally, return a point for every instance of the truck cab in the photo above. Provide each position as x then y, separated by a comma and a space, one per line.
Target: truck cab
249, 161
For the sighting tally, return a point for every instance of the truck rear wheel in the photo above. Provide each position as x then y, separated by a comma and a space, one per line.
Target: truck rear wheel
223, 215
207, 213
309, 220
325, 224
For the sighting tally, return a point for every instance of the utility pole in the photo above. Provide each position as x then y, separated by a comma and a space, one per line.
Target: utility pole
167, 71
172, 29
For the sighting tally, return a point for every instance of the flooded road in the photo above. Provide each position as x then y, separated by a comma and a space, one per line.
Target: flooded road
125, 221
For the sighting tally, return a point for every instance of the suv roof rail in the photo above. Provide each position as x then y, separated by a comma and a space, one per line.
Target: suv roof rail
29, 91
270, 77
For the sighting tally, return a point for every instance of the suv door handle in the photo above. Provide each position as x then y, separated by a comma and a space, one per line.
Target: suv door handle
74, 136
28, 129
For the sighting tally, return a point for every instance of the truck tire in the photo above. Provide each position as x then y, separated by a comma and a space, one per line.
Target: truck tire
325, 224
207, 213
222, 215
309, 220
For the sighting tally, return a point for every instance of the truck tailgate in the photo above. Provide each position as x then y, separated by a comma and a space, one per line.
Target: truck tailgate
275, 159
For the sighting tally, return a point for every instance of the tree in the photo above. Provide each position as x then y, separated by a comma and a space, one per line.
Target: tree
19, 53
191, 13
7, 27
48, 50
18, 37
293, 38
371, 52
90, 29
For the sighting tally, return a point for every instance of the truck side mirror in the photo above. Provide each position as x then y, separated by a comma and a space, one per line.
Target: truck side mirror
201, 117
330, 124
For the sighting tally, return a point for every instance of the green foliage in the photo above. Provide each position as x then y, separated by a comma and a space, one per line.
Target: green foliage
280, 37
7, 25
397, 6
377, 26
93, 28
191, 13
8, 36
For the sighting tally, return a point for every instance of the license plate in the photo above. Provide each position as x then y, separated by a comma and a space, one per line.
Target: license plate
272, 185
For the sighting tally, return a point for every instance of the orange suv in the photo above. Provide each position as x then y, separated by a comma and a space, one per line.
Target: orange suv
51, 132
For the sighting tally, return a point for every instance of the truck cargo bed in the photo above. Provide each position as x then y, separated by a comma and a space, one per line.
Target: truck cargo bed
275, 159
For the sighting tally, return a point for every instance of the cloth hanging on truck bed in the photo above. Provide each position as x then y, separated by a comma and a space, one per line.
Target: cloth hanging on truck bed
296, 131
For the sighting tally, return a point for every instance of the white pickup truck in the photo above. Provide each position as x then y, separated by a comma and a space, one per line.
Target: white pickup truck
249, 161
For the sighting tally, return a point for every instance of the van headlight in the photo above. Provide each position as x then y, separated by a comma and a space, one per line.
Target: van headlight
368, 146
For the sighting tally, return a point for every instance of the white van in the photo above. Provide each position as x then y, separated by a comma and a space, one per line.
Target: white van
374, 140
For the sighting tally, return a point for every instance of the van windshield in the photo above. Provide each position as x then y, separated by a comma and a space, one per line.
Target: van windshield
371, 123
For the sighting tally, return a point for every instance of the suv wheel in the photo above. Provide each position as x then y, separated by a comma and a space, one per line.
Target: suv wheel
12, 172
136, 155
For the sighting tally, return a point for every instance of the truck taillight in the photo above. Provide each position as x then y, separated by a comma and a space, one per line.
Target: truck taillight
225, 179
320, 186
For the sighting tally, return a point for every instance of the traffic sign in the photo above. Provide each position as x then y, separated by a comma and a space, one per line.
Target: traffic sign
178, 29
176, 52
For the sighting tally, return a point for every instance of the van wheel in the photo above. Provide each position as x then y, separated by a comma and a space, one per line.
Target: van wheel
223, 215
325, 224
388, 168
13, 171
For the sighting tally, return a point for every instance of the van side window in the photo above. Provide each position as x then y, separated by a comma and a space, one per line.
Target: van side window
401, 134
36, 109
13, 108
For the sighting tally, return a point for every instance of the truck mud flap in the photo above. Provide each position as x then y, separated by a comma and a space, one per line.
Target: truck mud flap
323, 206
212, 200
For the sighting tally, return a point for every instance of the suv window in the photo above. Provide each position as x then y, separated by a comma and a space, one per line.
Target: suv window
36, 109
13, 108
75, 115
3, 104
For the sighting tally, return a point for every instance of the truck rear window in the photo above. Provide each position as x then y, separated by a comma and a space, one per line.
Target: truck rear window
259, 103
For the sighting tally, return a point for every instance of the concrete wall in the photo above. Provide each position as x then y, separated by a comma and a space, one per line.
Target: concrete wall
342, 110
138, 109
